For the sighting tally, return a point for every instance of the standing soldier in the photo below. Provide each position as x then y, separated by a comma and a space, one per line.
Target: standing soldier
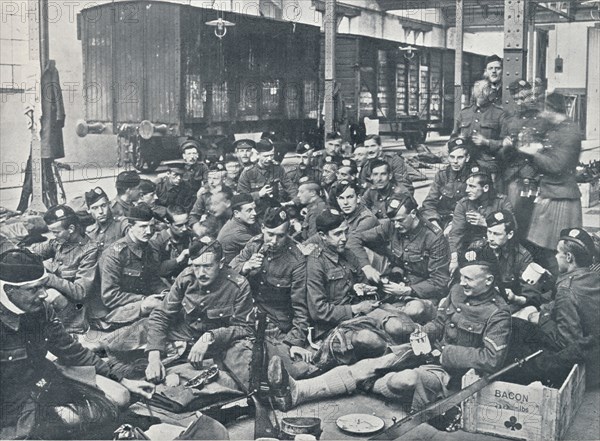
172, 244
106, 229
468, 222
173, 190
209, 304
383, 188
194, 171
558, 205
485, 124
242, 226
72, 268
127, 193
449, 185
276, 270
130, 280
266, 179
418, 257
493, 74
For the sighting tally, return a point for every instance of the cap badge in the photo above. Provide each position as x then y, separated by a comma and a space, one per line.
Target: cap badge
59, 213
282, 215
470, 256
395, 203
98, 190
334, 212
574, 233
499, 217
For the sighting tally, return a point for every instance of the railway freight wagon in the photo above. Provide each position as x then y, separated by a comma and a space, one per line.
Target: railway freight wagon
409, 92
156, 73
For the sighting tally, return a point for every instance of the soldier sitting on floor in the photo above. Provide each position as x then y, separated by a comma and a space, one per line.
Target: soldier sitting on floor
106, 229
127, 193
73, 260
40, 399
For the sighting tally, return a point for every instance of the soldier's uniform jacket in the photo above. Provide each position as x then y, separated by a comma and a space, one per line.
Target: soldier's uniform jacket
202, 204
168, 249
169, 194
234, 236
279, 287
490, 121
330, 278
313, 209
107, 234
302, 171
72, 272
398, 170
422, 254
189, 310
195, 175
360, 220
231, 183
24, 343
447, 189
376, 200
120, 208
255, 177
129, 273
463, 232
472, 332
513, 259
572, 318
518, 165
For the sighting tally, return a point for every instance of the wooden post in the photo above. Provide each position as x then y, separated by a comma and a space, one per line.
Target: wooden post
330, 27
516, 19
37, 202
458, 59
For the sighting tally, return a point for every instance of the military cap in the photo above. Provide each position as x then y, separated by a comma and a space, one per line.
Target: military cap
329, 219
230, 157
275, 217
332, 136
264, 145
457, 143
556, 103
303, 147
216, 167
205, 245
244, 144
190, 144
146, 186
177, 167
94, 195
128, 179
21, 266
141, 213
477, 170
351, 163
58, 213
492, 58
478, 256
329, 159
580, 237
397, 202
241, 199
500, 217
519, 85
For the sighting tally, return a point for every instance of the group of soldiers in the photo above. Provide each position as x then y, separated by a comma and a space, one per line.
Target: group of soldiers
336, 253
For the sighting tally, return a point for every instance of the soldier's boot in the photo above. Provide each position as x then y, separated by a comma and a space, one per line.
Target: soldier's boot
288, 393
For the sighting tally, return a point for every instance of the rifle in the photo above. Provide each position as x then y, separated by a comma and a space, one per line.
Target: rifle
439, 407
259, 388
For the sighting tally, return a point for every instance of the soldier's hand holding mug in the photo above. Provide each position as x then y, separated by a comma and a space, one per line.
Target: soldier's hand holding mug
475, 218
267, 190
254, 263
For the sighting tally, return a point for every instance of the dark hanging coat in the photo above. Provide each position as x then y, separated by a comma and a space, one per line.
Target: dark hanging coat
53, 114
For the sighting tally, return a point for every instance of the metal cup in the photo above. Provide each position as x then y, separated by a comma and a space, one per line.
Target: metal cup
533, 273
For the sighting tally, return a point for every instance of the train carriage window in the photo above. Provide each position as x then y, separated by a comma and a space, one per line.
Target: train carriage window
220, 101
435, 82
291, 95
401, 88
196, 97
413, 87
248, 100
271, 98
310, 99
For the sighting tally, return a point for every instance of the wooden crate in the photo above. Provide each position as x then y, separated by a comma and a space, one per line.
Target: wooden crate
533, 413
